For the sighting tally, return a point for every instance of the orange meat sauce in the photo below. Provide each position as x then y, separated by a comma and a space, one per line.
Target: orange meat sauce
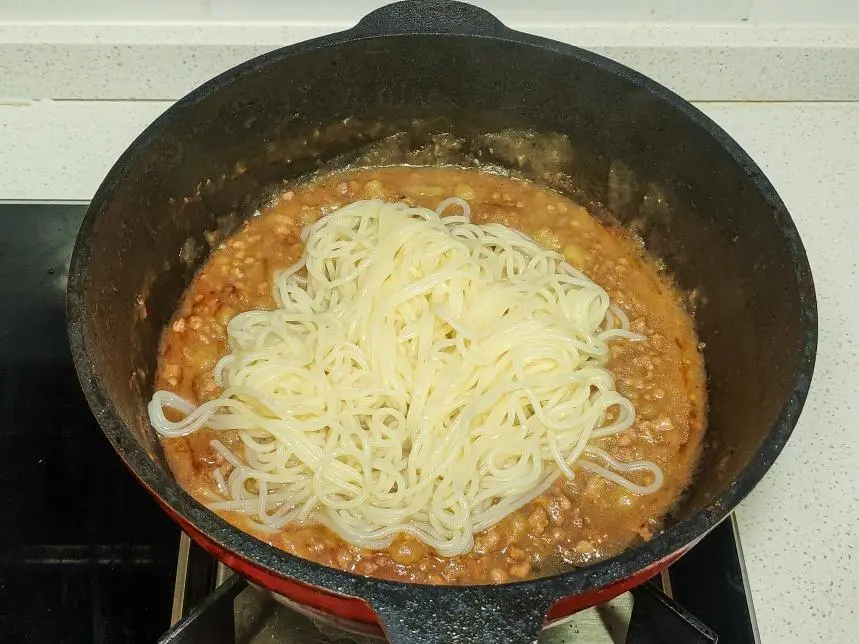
573, 523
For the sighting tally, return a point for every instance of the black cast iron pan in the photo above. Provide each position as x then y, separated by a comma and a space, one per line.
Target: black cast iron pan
423, 67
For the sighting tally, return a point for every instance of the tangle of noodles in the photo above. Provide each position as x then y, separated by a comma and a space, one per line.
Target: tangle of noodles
421, 374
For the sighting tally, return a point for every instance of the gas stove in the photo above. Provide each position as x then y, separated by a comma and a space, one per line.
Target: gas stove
87, 556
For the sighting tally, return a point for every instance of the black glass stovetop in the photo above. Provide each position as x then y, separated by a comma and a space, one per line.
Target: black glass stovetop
86, 556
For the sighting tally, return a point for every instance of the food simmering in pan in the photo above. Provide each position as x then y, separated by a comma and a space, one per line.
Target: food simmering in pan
437, 375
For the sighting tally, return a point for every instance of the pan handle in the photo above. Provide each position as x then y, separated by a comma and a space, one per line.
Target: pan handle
429, 17
475, 615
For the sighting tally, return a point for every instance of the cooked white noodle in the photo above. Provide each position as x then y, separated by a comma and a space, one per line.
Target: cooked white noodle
220, 481
427, 376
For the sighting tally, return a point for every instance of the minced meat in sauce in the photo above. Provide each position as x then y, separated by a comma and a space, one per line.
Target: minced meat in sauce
576, 521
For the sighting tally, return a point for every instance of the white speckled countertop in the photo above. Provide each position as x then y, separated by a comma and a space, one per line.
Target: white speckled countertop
800, 527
